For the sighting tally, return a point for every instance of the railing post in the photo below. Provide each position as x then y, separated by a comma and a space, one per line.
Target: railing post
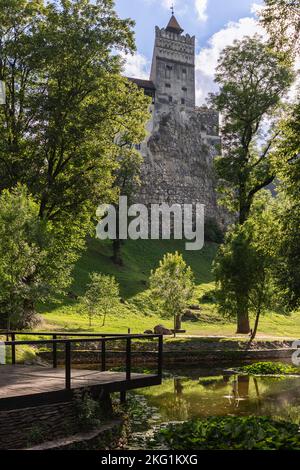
103, 354
13, 349
160, 356
54, 351
68, 364
128, 359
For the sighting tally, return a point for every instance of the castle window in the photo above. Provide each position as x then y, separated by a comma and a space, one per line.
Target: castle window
184, 73
182, 101
168, 85
168, 71
170, 99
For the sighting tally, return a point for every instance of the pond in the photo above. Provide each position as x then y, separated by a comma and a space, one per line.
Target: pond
205, 392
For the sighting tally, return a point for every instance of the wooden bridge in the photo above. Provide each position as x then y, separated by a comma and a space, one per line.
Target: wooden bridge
24, 386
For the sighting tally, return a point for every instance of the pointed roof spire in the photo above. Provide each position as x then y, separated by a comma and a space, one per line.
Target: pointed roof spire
173, 25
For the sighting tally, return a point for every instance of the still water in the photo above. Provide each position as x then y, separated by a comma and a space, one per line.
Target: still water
200, 393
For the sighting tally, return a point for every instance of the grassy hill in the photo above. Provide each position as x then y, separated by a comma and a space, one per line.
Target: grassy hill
137, 310
139, 258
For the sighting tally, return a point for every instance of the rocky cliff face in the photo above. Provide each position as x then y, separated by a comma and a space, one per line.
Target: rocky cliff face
178, 160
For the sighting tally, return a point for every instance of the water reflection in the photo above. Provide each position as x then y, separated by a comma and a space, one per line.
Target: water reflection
184, 397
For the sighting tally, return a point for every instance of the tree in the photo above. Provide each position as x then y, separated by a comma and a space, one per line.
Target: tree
127, 180
281, 19
287, 163
252, 80
67, 106
66, 101
244, 266
101, 297
172, 284
30, 245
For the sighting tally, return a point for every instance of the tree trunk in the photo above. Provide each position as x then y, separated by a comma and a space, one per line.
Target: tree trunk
255, 327
243, 386
104, 318
178, 387
117, 257
29, 317
243, 324
178, 322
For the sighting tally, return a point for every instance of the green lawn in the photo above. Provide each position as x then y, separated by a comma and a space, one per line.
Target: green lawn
137, 311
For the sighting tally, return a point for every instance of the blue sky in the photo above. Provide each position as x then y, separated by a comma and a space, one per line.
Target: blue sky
215, 23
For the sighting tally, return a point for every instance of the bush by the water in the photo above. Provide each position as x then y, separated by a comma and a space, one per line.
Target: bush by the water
231, 433
269, 368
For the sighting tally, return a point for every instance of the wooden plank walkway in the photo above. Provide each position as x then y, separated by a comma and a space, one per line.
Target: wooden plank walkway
28, 386
24, 384
27, 380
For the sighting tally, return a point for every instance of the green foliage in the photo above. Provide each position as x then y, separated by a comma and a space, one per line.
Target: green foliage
287, 234
208, 297
68, 118
213, 233
252, 80
243, 265
66, 101
172, 283
36, 257
37, 434
24, 354
88, 412
101, 296
231, 433
140, 311
127, 180
139, 411
281, 19
269, 368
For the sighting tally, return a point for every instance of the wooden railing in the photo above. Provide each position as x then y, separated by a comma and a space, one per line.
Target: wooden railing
11, 340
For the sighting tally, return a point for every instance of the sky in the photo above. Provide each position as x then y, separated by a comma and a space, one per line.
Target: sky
215, 23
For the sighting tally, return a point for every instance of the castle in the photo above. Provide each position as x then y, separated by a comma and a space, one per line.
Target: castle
183, 139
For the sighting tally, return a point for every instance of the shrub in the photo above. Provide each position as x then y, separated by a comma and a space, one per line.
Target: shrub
88, 412
212, 232
231, 433
269, 368
209, 297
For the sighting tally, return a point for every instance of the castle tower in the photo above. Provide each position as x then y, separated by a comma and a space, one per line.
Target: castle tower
173, 67
183, 139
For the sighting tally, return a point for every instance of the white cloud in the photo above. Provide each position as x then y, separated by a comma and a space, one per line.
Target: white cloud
207, 59
256, 8
136, 65
201, 7
168, 3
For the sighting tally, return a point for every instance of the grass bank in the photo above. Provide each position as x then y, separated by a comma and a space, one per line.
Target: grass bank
137, 310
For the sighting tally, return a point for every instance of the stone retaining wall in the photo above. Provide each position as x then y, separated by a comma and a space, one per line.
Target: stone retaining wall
112, 434
173, 357
26, 427
23, 427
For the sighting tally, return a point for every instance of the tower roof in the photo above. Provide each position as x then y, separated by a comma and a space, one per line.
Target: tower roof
174, 26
